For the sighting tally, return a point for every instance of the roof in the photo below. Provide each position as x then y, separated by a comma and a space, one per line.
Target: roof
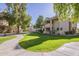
51, 18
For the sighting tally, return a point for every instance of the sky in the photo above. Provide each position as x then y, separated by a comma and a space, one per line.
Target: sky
36, 9
2, 7
43, 9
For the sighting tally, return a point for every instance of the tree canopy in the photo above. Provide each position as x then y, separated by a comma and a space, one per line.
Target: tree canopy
66, 11
17, 15
39, 22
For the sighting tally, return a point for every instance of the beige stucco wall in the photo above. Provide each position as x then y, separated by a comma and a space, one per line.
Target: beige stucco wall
63, 25
47, 25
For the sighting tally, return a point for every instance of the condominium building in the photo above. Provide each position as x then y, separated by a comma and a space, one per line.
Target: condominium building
54, 26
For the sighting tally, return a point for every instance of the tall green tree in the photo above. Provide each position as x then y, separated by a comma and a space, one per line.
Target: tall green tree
25, 19
18, 12
67, 11
39, 22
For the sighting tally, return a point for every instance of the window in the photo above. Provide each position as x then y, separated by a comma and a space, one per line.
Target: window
47, 29
57, 29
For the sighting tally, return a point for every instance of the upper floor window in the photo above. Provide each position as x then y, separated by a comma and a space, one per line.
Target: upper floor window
47, 29
57, 29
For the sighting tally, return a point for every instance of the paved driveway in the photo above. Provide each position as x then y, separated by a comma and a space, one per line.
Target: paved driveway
11, 48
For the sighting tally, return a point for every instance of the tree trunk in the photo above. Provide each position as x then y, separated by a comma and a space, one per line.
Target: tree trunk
17, 28
70, 25
76, 28
9, 28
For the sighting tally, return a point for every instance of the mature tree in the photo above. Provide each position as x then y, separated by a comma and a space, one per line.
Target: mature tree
26, 23
63, 10
25, 19
19, 16
39, 22
67, 10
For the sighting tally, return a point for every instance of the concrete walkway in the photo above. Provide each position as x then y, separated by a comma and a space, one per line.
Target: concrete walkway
11, 48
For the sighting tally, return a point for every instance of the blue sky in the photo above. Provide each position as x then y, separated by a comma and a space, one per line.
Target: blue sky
44, 9
2, 7
37, 9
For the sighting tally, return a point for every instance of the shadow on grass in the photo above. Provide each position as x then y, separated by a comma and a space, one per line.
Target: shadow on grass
42, 38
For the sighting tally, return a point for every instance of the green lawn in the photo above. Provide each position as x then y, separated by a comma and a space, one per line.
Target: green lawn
44, 43
5, 38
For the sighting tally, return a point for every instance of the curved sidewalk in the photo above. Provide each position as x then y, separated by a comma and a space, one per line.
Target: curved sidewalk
11, 48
